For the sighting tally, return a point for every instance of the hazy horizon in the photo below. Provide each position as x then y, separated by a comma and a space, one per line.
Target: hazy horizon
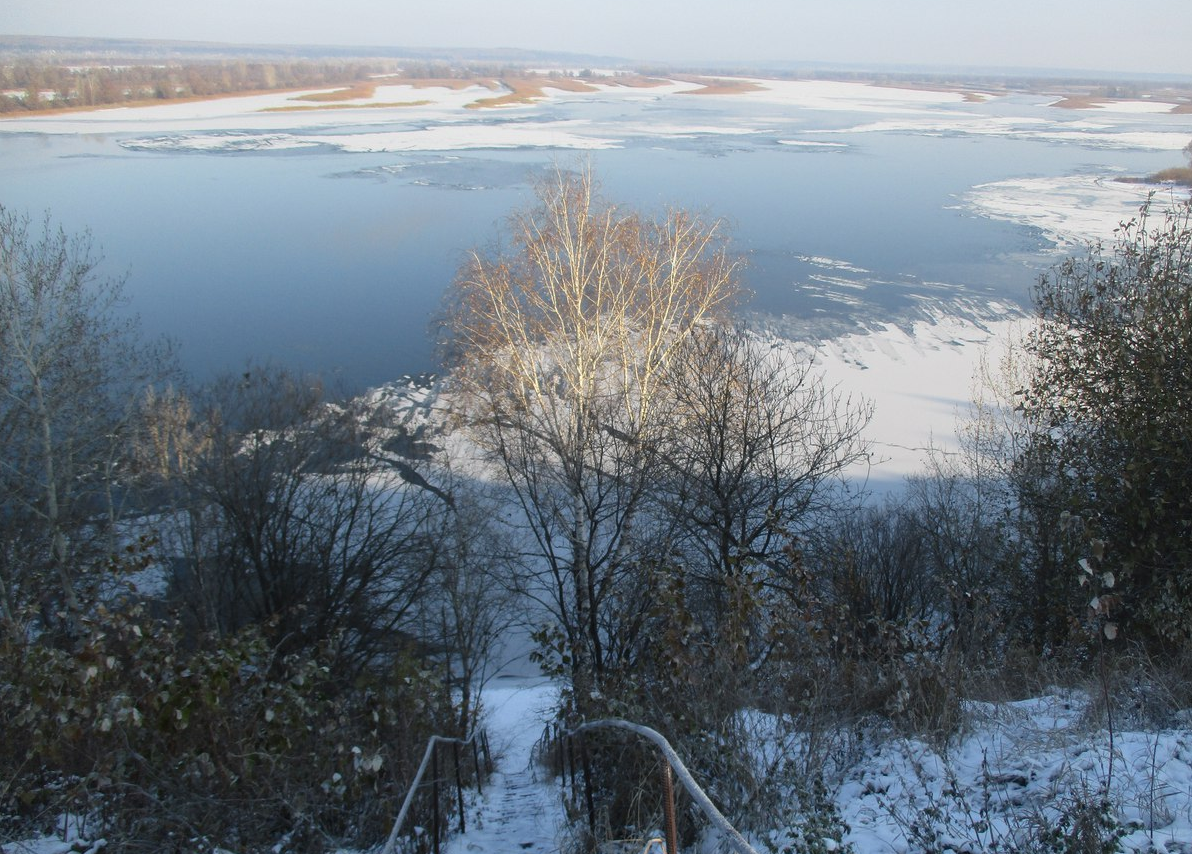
1090, 35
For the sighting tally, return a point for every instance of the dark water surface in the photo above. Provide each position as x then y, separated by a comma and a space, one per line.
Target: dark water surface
336, 262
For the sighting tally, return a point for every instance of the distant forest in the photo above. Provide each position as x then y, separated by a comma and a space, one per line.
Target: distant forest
31, 87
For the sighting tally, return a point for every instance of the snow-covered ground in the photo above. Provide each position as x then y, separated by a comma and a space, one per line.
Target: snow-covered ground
520, 809
919, 382
1016, 766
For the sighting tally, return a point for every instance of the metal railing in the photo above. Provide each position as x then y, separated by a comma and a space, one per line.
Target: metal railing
478, 741
673, 765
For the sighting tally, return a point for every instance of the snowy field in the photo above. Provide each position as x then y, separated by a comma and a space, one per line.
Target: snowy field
439, 118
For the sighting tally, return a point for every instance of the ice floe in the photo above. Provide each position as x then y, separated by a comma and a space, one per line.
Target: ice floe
1070, 211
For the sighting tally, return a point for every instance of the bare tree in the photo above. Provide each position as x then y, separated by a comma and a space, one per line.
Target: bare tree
753, 445
563, 342
472, 605
294, 519
71, 370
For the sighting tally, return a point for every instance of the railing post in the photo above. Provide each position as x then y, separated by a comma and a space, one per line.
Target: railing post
459, 786
583, 752
698, 795
668, 809
435, 797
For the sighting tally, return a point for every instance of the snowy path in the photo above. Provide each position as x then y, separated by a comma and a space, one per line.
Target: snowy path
520, 809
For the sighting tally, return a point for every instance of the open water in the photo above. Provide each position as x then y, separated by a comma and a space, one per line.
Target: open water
336, 262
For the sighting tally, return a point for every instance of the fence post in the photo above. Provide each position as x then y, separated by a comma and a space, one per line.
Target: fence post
560, 750
668, 809
488, 754
571, 755
476, 762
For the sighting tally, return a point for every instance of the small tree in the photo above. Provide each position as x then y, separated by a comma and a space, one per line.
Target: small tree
71, 370
1110, 404
753, 444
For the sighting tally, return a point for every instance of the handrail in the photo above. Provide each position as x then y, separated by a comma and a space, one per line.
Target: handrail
735, 839
693, 788
391, 842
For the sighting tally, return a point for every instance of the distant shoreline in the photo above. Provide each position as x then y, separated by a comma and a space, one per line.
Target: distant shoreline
520, 88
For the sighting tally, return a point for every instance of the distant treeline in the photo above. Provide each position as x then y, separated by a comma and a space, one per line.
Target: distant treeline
30, 87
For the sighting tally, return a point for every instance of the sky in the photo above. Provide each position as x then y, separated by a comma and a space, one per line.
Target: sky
1147, 36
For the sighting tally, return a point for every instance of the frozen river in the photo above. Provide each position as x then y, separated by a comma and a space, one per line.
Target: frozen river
324, 240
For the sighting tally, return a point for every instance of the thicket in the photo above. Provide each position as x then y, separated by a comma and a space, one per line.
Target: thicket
150, 737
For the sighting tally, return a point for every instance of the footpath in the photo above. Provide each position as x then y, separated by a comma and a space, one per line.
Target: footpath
520, 809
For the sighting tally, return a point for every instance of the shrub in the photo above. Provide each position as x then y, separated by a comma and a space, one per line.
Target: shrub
156, 740
1108, 401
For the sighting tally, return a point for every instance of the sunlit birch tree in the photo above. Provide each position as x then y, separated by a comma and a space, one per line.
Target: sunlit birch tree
562, 339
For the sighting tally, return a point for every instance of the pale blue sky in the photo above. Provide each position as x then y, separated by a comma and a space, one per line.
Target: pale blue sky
1143, 36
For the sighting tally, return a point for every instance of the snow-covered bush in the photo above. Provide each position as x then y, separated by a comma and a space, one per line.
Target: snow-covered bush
161, 739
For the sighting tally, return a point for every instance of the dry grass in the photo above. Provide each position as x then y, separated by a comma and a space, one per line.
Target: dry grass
453, 83
1087, 102
151, 102
523, 90
1078, 102
634, 81
718, 86
356, 92
364, 89
1181, 175
379, 105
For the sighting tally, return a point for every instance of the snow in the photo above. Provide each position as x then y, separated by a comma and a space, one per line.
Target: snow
802, 143
1018, 764
1088, 134
1130, 106
1070, 211
831, 96
278, 111
520, 809
1013, 765
272, 111
919, 381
